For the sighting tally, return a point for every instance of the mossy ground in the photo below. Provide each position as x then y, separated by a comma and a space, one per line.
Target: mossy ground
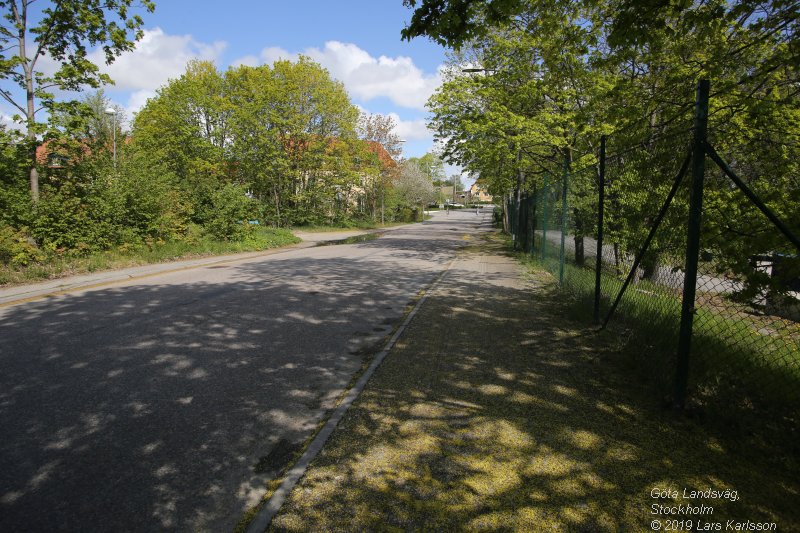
496, 411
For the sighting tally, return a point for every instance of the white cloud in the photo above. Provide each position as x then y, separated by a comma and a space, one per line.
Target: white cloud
157, 58
8, 121
272, 54
366, 77
136, 101
411, 130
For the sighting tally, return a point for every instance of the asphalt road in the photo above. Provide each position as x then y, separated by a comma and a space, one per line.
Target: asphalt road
167, 402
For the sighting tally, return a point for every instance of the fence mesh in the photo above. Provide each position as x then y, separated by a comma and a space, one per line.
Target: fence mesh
746, 335
745, 345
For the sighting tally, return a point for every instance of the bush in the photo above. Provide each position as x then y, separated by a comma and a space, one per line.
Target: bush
74, 218
147, 204
16, 248
230, 213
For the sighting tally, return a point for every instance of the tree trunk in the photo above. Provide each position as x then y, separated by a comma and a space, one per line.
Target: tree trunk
520, 184
277, 197
650, 265
506, 220
579, 253
30, 98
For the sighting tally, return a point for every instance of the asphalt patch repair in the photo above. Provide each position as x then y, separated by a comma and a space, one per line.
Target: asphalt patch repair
494, 411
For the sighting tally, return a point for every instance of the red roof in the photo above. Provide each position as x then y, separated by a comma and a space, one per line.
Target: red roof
383, 156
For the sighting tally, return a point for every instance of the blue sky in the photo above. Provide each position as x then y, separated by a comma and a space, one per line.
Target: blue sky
358, 41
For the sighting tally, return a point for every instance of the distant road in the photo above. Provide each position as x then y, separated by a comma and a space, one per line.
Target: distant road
667, 276
167, 402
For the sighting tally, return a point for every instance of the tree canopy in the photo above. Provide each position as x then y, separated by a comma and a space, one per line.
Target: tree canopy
62, 32
547, 78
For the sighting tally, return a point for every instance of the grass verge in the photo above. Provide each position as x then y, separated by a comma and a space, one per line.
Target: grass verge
744, 371
497, 411
158, 252
358, 225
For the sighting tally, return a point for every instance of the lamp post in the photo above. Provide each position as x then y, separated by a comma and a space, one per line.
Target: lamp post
113, 112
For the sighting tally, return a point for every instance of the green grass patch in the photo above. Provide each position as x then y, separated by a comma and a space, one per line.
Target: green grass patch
744, 367
354, 225
127, 255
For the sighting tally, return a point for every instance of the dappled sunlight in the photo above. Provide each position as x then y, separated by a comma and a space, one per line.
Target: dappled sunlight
566, 391
492, 389
624, 452
585, 440
514, 428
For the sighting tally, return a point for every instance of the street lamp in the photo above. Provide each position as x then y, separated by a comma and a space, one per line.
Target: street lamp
113, 112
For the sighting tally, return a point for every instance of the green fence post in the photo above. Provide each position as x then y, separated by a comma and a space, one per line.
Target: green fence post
600, 201
692, 241
564, 189
545, 215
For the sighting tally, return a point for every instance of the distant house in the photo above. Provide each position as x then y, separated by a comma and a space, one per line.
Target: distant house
58, 155
478, 193
54, 157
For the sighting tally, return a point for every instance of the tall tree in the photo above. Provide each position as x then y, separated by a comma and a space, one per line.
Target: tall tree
381, 129
63, 32
186, 128
293, 128
431, 165
413, 185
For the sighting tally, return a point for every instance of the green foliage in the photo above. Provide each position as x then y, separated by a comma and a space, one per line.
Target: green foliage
285, 132
63, 32
147, 203
74, 218
230, 214
211, 152
431, 165
14, 198
556, 76
16, 249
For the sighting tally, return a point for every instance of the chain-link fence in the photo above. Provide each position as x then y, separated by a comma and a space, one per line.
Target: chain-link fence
670, 225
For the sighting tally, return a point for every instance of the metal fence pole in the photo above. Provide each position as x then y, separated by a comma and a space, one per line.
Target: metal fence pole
600, 202
545, 215
692, 241
564, 189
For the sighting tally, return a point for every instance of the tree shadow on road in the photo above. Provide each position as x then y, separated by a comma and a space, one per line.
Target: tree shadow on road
150, 407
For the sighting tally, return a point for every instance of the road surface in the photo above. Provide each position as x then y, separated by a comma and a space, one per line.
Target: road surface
167, 402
